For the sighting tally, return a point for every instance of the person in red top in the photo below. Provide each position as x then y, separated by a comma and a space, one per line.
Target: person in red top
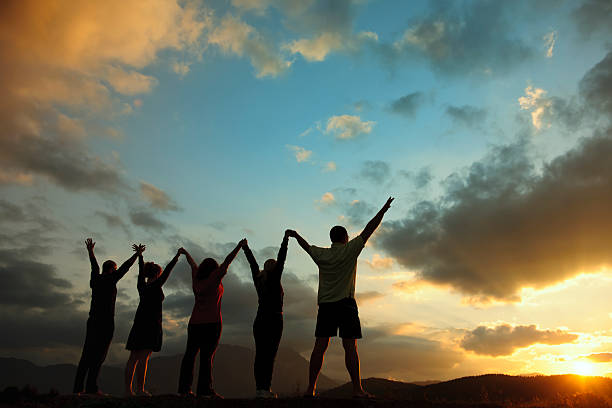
204, 329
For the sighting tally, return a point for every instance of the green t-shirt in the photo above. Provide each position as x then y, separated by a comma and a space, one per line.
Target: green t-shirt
337, 269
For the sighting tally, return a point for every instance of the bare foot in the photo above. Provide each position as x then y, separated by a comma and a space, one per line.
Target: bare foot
363, 395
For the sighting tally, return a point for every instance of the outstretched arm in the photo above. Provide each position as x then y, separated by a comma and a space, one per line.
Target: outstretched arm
252, 261
190, 261
305, 245
95, 268
166, 273
141, 277
282, 254
230, 257
138, 249
375, 221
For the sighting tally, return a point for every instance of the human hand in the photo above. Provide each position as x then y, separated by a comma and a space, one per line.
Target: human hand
290, 233
388, 203
181, 251
243, 243
89, 244
139, 248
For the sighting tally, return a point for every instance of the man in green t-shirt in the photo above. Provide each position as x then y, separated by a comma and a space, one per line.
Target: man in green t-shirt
336, 298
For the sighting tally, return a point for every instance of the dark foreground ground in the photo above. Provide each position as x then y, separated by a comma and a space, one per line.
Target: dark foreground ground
170, 401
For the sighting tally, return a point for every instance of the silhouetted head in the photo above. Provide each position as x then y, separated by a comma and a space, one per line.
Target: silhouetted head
338, 234
109, 267
206, 267
269, 264
152, 270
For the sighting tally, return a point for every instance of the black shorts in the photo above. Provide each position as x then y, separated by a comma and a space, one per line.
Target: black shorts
342, 315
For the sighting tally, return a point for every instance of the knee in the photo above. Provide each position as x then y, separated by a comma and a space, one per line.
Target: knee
349, 345
321, 345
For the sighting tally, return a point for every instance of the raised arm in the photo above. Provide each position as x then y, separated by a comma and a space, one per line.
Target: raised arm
375, 221
282, 253
230, 257
252, 261
190, 261
141, 277
95, 268
166, 273
138, 249
305, 245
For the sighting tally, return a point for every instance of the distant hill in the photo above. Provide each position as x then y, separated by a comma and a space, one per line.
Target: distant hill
233, 373
485, 388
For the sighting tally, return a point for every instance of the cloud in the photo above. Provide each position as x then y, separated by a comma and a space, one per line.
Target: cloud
504, 339
317, 48
420, 178
237, 37
181, 68
458, 40
147, 220
376, 171
496, 229
346, 127
536, 102
380, 263
549, 42
301, 154
407, 105
113, 221
70, 67
599, 357
368, 296
327, 199
329, 167
467, 115
593, 16
157, 198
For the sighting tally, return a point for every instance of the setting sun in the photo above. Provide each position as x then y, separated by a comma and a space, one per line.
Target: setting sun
584, 368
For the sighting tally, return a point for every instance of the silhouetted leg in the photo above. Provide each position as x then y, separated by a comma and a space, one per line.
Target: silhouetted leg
141, 369
351, 359
258, 334
275, 332
316, 362
104, 336
85, 361
191, 351
211, 332
129, 371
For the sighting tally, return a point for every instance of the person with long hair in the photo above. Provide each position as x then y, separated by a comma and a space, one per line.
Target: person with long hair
205, 324
101, 321
268, 325
146, 334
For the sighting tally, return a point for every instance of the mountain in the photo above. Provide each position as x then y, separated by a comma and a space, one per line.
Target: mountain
486, 388
233, 374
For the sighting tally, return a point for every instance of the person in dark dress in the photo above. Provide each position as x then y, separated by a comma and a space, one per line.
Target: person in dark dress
146, 334
101, 321
204, 329
268, 325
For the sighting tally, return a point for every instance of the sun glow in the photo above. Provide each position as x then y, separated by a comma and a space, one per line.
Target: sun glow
584, 368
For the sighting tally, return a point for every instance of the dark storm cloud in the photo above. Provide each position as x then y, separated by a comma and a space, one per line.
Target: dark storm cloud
376, 171
147, 220
505, 339
596, 86
408, 104
593, 16
459, 39
503, 224
466, 115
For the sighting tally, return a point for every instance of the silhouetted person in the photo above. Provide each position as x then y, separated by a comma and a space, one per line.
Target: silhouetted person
205, 324
268, 325
336, 298
146, 334
101, 321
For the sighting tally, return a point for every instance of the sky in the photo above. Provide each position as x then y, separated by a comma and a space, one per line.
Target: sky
199, 123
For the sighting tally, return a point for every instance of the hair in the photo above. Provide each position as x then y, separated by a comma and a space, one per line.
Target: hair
152, 270
338, 234
107, 265
206, 267
269, 264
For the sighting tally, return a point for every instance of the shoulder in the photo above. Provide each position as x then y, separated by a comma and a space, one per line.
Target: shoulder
356, 243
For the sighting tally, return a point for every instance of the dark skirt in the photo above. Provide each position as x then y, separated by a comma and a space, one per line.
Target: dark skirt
145, 336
